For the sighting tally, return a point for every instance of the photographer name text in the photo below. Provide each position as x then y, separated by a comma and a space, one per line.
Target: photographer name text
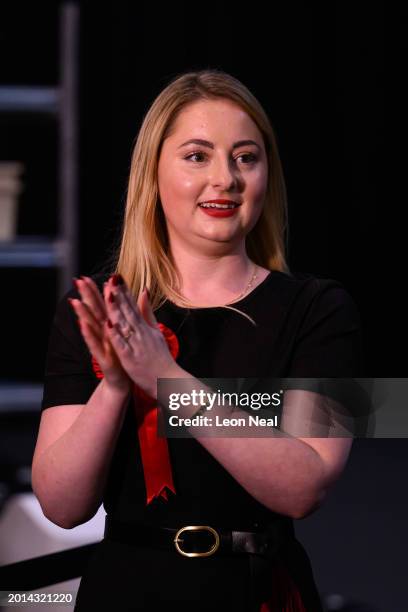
217, 421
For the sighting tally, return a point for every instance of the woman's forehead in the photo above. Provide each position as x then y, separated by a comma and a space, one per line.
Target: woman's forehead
204, 117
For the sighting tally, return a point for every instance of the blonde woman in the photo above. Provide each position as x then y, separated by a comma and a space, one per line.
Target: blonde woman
199, 289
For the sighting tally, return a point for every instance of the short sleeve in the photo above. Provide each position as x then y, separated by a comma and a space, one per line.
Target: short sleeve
329, 342
328, 356
68, 375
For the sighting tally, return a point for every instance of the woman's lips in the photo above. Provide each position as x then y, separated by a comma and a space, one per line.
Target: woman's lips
219, 212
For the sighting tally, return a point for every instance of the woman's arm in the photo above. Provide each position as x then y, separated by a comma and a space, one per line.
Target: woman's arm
69, 469
289, 475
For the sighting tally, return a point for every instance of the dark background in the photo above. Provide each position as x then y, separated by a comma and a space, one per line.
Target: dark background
334, 93
329, 85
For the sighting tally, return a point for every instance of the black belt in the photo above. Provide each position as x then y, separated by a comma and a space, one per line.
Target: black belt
206, 540
202, 540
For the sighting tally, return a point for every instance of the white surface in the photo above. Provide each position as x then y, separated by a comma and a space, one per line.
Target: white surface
25, 533
10, 187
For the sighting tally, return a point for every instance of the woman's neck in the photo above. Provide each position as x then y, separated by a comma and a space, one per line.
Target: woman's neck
219, 281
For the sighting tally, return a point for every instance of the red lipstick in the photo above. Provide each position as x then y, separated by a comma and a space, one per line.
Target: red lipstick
220, 212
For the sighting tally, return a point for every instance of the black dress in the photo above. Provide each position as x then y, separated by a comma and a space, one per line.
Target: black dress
306, 327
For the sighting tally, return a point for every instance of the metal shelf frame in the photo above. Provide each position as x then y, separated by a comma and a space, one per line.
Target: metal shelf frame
60, 252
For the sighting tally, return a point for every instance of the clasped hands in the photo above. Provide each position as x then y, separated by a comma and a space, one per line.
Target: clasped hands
122, 335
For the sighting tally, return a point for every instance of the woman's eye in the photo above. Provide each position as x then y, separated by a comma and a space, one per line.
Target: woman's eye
198, 154
248, 158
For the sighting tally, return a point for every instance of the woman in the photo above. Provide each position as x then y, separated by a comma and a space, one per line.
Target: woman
200, 289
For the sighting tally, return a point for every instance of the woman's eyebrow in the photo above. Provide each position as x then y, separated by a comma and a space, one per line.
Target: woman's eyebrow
207, 143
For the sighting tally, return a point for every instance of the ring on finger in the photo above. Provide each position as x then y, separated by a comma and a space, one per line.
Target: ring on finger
128, 332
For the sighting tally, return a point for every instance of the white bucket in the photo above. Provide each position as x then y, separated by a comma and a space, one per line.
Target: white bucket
10, 189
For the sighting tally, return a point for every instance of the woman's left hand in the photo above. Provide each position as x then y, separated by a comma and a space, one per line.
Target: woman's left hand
144, 355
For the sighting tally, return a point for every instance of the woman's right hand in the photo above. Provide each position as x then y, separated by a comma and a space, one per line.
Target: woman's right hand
91, 313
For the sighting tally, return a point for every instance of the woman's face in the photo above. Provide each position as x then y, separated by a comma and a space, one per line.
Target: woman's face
215, 151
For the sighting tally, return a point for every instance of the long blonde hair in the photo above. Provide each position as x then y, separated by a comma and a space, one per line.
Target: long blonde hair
143, 257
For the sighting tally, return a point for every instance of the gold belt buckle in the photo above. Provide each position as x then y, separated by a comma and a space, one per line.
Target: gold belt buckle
207, 553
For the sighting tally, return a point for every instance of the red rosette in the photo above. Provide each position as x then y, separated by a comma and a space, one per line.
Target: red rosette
97, 368
171, 339
154, 450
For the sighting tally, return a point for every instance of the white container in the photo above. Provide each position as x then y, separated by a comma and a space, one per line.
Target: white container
10, 189
25, 533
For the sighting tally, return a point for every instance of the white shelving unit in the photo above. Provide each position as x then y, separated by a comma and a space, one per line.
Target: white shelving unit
60, 252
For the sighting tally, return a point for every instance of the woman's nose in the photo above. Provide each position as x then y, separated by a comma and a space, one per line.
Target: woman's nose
223, 174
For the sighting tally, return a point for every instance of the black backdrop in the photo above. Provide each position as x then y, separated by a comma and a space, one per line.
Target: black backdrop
334, 93
320, 74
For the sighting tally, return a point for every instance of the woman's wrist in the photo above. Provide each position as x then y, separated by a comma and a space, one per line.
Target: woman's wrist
120, 392
173, 370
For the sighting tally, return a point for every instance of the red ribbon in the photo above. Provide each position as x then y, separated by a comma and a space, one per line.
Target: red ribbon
154, 450
97, 368
286, 596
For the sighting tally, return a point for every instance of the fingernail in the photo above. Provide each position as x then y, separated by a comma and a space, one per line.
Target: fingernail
70, 300
117, 279
111, 298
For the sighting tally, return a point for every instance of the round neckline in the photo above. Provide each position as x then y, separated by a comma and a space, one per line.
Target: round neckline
243, 300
